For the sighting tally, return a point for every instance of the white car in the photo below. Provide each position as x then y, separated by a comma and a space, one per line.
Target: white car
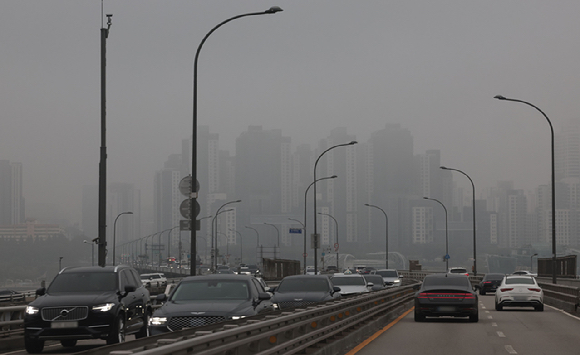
155, 279
519, 291
458, 270
351, 284
310, 270
391, 277
525, 273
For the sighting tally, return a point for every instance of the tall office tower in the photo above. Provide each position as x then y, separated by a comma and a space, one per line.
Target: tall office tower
123, 197
434, 182
11, 199
422, 224
567, 151
90, 211
302, 163
391, 154
263, 175
167, 197
340, 194
511, 208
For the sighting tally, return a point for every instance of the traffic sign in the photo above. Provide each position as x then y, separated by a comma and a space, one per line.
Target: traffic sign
295, 230
446, 257
185, 186
185, 224
304, 255
335, 246
185, 208
314, 241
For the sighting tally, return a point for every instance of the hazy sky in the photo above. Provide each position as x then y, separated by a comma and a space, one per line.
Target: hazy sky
432, 66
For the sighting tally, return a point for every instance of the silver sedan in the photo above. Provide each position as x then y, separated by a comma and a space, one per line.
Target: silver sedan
519, 291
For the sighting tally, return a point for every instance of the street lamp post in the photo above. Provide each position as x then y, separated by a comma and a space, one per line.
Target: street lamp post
386, 232
92, 250
532, 262
214, 235
305, 195
335, 236
241, 245
473, 209
446, 233
271, 10
554, 280
102, 215
315, 236
59, 263
115, 233
257, 238
277, 230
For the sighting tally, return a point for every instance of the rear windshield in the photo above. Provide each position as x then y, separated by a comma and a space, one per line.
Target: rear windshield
211, 290
84, 282
304, 285
387, 273
348, 281
519, 280
458, 271
446, 281
494, 277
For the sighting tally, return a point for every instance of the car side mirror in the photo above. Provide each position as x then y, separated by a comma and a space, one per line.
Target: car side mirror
161, 297
336, 289
264, 296
370, 284
41, 291
272, 289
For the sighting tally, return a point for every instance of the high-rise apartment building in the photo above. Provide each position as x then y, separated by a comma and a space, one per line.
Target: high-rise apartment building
123, 197
11, 198
167, 197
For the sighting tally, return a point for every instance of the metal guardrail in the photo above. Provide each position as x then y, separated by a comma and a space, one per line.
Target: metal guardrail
286, 332
11, 320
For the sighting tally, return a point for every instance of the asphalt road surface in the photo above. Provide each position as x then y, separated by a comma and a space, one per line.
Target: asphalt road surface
511, 331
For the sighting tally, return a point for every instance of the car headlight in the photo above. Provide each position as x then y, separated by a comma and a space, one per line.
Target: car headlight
104, 307
238, 317
158, 321
275, 305
397, 281
31, 310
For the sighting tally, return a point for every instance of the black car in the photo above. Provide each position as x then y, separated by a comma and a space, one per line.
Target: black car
377, 281
304, 290
446, 295
202, 300
88, 303
490, 283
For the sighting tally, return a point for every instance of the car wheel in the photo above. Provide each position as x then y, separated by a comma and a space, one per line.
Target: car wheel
68, 343
498, 307
482, 292
33, 346
117, 334
539, 308
474, 318
419, 317
144, 331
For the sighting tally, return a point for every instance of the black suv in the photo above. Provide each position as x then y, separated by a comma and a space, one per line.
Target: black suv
88, 303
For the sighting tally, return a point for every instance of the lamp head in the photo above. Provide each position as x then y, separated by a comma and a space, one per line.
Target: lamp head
333, 177
273, 10
352, 142
366, 204
444, 168
535, 254
426, 198
499, 97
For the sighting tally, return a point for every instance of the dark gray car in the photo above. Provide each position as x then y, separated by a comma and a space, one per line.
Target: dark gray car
304, 290
203, 300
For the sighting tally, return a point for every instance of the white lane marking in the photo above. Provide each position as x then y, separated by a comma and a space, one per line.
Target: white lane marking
494, 324
486, 311
483, 307
559, 310
500, 334
489, 317
510, 349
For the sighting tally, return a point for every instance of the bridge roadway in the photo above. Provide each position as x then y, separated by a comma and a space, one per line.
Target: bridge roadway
511, 331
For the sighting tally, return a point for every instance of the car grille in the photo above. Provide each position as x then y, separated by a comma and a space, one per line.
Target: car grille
65, 313
295, 304
178, 323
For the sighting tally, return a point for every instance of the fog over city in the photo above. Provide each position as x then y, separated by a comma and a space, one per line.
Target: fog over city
431, 66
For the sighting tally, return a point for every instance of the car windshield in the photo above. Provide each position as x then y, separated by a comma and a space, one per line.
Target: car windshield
377, 280
84, 282
494, 277
303, 285
446, 281
348, 281
387, 273
211, 290
519, 280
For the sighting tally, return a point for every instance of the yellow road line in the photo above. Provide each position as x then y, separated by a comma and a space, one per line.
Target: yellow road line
374, 336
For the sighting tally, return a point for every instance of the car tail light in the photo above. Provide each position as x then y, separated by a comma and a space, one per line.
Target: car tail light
535, 289
487, 282
423, 295
506, 289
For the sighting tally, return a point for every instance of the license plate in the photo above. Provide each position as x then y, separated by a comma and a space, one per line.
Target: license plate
446, 309
64, 324
520, 298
